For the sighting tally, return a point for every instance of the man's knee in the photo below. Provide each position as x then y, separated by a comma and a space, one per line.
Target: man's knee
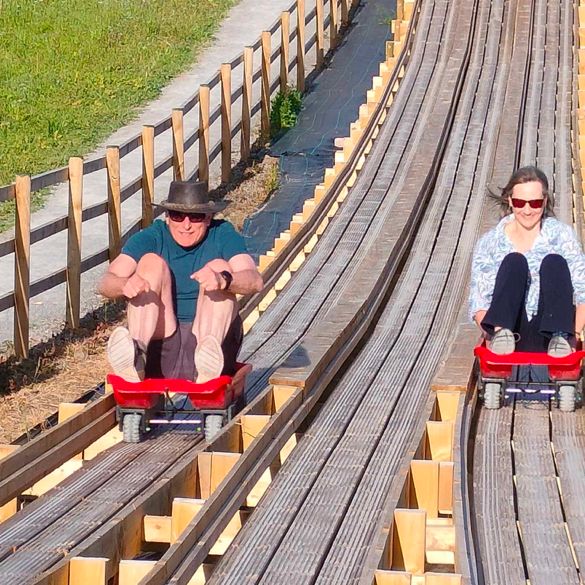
219, 264
154, 269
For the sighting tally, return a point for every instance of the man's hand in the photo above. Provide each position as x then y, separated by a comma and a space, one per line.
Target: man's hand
134, 286
209, 279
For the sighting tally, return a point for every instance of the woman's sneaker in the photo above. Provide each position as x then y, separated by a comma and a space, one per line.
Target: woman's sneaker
559, 346
502, 342
125, 356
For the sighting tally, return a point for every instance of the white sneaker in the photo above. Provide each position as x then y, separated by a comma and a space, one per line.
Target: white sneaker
125, 357
559, 347
208, 359
502, 342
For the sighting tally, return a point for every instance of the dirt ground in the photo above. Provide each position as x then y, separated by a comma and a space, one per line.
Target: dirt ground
63, 368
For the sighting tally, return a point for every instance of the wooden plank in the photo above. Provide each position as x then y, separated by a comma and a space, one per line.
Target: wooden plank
114, 201
157, 528
439, 440
132, 572
409, 541
22, 266
301, 45
252, 426
226, 122
265, 87
73, 304
178, 144
424, 486
320, 32
333, 26
203, 170
184, 510
147, 175
246, 103
88, 571
284, 49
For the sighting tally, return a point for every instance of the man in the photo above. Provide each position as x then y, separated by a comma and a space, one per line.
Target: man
180, 277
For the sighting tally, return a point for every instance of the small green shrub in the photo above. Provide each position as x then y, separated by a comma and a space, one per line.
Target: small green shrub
284, 110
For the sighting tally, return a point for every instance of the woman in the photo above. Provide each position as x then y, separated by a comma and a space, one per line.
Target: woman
528, 274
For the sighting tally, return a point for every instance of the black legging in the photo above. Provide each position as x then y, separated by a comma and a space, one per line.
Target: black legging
556, 312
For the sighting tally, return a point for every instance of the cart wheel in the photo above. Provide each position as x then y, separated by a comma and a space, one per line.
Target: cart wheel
213, 424
492, 395
131, 428
567, 398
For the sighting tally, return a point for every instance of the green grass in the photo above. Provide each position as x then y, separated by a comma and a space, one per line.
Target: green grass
73, 72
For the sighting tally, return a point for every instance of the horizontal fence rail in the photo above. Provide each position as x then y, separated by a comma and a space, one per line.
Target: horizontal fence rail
255, 66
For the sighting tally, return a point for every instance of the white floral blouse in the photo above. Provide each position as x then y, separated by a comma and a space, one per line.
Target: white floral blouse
555, 237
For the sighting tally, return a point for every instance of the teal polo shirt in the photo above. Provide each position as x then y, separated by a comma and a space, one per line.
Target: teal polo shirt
221, 241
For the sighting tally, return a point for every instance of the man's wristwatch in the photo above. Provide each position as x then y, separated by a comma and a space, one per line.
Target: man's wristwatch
228, 277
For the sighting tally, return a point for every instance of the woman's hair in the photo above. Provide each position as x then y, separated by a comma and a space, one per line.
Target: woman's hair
520, 176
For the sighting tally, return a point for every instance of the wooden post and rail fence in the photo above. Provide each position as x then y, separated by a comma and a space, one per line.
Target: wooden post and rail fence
339, 12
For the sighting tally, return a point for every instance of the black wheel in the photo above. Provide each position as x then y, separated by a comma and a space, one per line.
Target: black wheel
567, 398
131, 428
213, 424
492, 395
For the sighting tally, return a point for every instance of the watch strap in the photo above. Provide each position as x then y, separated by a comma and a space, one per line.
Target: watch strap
228, 277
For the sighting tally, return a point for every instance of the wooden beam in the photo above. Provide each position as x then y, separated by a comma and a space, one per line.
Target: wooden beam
320, 32
88, 571
252, 425
439, 440
178, 144
184, 510
382, 577
114, 201
284, 49
73, 303
301, 45
203, 171
226, 122
157, 528
446, 480
424, 486
132, 572
447, 404
265, 87
147, 175
212, 469
409, 541
246, 103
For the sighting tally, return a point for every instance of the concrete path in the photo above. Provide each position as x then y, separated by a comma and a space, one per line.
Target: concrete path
241, 28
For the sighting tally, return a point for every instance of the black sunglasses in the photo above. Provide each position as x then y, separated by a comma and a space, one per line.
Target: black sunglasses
179, 216
520, 203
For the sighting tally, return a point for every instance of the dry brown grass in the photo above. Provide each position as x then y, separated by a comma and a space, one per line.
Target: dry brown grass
73, 362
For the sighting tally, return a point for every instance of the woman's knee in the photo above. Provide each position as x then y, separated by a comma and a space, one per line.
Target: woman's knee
515, 261
554, 264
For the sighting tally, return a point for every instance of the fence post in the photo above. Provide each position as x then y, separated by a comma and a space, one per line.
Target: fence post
344, 12
203, 172
332, 23
147, 174
265, 97
114, 214
246, 102
178, 145
284, 49
22, 266
74, 241
320, 33
301, 45
226, 122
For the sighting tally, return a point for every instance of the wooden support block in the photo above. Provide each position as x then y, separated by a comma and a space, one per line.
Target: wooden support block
311, 244
229, 533
111, 438
8, 509
392, 578
261, 486
202, 575
319, 194
352, 179
360, 163
322, 226
329, 178
68, 409
581, 36
581, 81
338, 168
308, 207
389, 49
439, 440
6, 450
132, 572
447, 404
55, 477
409, 541
183, 511
288, 447
213, 466
88, 571
340, 157
282, 281
443, 579
298, 261
446, 477
157, 528
581, 15
267, 300
251, 320
440, 544
295, 225
342, 195
280, 244
252, 425
333, 210
281, 395
264, 262
424, 486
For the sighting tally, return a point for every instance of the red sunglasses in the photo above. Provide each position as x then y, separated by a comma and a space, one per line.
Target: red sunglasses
534, 203
179, 216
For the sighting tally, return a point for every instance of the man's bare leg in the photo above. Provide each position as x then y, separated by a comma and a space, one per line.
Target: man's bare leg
150, 316
216, 311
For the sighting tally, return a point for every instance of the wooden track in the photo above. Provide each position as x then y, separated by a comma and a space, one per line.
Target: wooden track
308, 484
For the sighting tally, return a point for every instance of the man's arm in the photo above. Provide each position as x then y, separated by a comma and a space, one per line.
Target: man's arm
121, 279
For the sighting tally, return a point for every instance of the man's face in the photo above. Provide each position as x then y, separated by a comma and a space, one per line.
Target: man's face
187, 229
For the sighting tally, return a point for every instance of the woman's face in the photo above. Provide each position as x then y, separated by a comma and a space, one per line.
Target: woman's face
528, 216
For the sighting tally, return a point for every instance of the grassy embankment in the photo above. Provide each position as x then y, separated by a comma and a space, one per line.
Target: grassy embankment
73, 72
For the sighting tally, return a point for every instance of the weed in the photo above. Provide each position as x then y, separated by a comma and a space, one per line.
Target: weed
272, 179
284, 110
